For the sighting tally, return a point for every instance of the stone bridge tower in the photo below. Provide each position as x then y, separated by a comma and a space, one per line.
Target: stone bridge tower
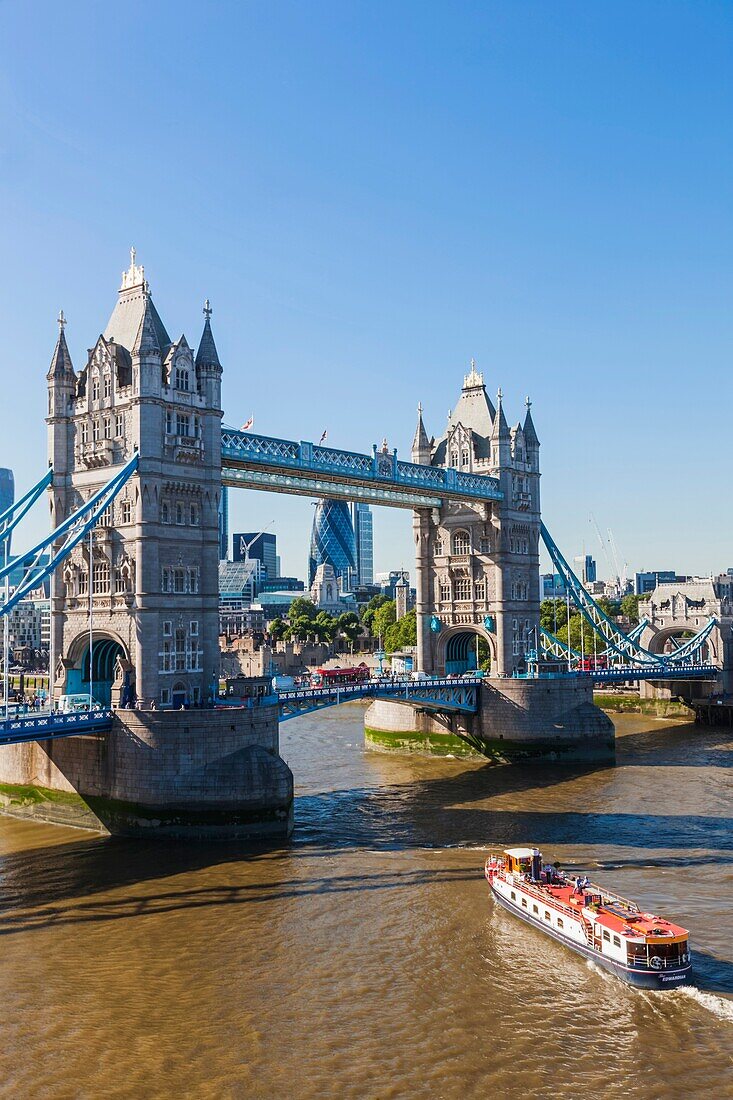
153, 571
478, 565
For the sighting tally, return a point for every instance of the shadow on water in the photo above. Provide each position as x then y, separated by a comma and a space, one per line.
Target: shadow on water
684, 746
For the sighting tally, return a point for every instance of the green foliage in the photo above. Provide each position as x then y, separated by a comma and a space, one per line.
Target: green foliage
384, 617
302, 608
400, 634
551, 610
368, 613
349, 626
278, 629
630, 607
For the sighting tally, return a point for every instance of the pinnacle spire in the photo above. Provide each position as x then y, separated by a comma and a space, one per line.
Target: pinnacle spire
146, 340
420, 441
207, 355
500, 429
530, 434
61, 365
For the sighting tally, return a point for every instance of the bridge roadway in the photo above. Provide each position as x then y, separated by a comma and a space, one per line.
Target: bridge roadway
444, 694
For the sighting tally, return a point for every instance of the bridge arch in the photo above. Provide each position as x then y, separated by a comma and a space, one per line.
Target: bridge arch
457, 648
113, 677
660, 640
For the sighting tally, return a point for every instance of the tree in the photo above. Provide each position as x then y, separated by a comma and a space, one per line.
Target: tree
349, 625
302, 608
368, 613
384, 617
630, 607
400, 634
552, 614
278, 629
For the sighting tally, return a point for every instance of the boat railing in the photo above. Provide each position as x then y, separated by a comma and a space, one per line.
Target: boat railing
644, 964
536, 892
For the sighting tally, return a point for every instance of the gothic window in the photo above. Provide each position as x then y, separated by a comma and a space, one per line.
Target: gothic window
165, 512
83, 582
183, 424
167, 628
180, 650
95, 431
464, 457
95, 389
107, 385
193, 579
194, 515
438, 546
179, 513
119, 426
181, 378
196, 427
168, 422
119, 581
485, 545
179, 580
165, 580
444, 591
454, 458
126, 511
100, 578
461, 542
462, 588
193, 629
480, 590
84, 432
107, 518
108, 427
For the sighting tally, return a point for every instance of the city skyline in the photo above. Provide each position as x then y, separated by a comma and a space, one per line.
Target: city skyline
359, 253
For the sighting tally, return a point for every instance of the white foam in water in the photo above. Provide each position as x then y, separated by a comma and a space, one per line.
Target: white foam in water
721, 1007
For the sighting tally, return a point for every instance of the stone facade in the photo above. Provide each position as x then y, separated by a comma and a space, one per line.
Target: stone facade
154, 568
206, 773
478, 565
518, 720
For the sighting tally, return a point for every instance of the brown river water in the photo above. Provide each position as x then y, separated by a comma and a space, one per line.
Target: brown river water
366, 958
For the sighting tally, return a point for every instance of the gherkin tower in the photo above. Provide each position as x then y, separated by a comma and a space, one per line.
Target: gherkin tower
332, 542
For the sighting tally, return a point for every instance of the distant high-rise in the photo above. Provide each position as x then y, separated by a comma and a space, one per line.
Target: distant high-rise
263, 546
7, 493
364, 540
223, 523
332, 542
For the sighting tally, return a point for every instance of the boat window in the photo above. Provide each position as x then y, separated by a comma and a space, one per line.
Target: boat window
535, 908
514, 896
547, 915
617, 941
606, 935
524, 902
560, 922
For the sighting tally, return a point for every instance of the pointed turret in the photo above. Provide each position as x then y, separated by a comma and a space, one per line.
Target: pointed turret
421, 443
500, 436
146, 339
61, 366
207, 355
208, 366
530, 435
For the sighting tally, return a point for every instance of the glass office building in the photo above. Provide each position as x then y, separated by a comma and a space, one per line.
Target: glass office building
364, 541
332, 542
262, 546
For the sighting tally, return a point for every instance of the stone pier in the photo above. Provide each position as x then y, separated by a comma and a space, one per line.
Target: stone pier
196, 773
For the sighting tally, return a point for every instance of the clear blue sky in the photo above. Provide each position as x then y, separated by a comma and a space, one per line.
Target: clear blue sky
372, 193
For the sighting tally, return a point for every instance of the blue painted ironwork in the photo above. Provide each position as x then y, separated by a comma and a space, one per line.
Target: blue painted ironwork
72, 530
439, 694
618, 644
46, 727
620, 673
306, 468
12, 516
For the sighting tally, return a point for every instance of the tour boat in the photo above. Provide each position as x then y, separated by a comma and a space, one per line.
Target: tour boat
643, 949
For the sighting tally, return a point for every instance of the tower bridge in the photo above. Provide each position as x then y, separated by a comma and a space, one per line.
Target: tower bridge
139, 458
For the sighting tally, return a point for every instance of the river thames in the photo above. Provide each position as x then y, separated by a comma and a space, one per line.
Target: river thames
366, 959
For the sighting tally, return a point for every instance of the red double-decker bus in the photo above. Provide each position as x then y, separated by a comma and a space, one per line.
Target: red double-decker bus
591, 664
323, 677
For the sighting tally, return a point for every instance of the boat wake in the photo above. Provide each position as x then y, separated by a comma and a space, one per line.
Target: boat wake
722, 1007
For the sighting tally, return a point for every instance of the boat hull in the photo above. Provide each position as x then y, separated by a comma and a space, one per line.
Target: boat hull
640, 979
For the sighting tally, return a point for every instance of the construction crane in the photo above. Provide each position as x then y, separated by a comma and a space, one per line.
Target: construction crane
620, 574
245, 547
613, 573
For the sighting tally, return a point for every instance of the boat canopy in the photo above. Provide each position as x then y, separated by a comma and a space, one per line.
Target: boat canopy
522, 853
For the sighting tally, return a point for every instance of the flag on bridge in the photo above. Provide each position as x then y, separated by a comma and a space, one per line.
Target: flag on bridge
247, 424
323, 438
